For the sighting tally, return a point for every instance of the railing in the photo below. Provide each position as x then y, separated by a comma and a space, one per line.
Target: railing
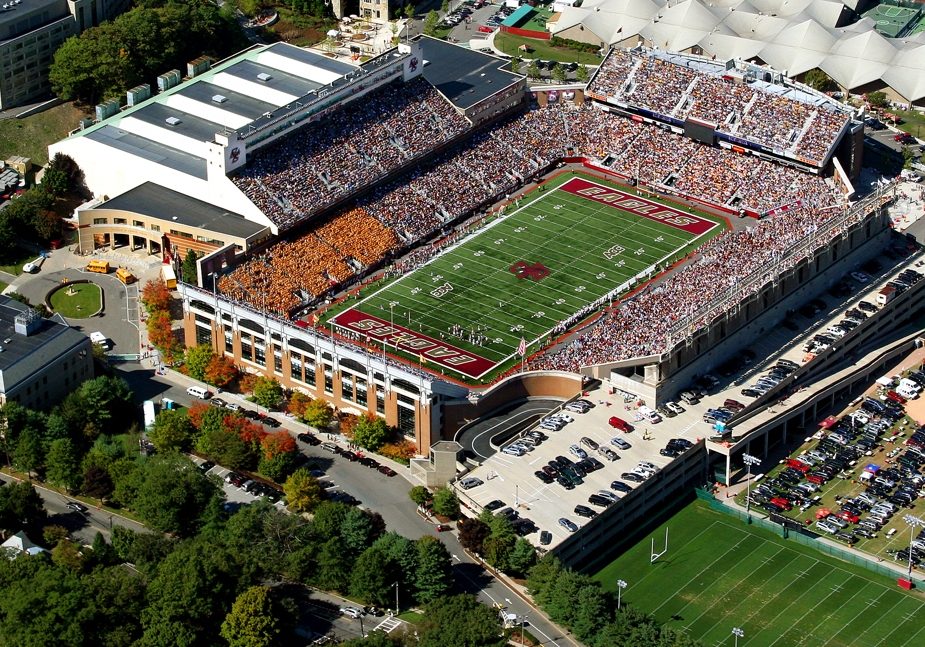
803, 248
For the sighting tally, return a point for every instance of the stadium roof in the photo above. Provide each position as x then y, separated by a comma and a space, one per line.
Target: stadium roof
790, 35
462, 75
156, 201
227, 97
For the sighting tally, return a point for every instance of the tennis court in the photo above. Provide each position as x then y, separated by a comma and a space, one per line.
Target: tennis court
719, 573
894, 21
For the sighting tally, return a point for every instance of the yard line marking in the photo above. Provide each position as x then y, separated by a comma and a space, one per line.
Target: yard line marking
798, 621
870, 603
704, 569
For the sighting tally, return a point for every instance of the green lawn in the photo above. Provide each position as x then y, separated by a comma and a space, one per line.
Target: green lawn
77, 301
719, 573
13, 259
522, 275
510, 44
913, 122
31, 136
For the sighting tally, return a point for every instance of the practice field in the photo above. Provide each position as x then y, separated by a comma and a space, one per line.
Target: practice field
719, 573
521, 277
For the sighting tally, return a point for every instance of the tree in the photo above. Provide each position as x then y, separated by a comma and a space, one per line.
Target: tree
446, 503
582, 74
21, 508
542, 577
878, 99
29, 455
160, 333
278, 457
267, 392
252, 620
371, 579
297, 403
409, 11
170, 494
460, 620
357, 531
67, 555
155, 295
516, 63
96, 483
72, 172
370, 432
189, 272
302, 491
533, 70
197, 359
522, 557
318, 414
472, 534
420, 495
108, 403
434, 577
445, 6
819, 80
172, 431
54, 181
430, 22
220, 372
558, 73
62, 464
591, 612
499, 544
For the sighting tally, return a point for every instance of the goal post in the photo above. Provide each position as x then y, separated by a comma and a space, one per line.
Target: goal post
655, 556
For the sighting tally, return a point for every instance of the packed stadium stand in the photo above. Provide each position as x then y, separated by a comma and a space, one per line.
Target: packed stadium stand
766, 115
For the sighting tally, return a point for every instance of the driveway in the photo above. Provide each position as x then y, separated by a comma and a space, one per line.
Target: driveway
119, 318
483, 437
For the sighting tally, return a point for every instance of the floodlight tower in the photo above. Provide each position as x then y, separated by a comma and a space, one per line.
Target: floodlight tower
621, 584
914, 522
749, 460
738, 633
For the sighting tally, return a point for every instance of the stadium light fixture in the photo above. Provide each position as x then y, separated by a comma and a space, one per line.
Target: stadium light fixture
738, 633
749, 460
914, 522
621, 584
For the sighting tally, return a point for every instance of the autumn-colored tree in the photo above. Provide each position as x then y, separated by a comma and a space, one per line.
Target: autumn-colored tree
402, 451
297, 403
155, 295
195, 413
318, 414
348, 423
220, 371
278, 443
245, 429
246, 383
159, 331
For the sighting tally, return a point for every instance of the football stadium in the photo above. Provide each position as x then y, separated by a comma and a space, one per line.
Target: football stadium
427, 238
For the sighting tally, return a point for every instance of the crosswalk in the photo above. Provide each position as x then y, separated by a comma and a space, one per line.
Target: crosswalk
388, 625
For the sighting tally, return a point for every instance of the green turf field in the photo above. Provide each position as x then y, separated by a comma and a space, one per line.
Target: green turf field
523, 274
719, 573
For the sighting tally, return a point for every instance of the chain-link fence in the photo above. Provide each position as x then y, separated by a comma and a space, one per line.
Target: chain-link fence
808, 539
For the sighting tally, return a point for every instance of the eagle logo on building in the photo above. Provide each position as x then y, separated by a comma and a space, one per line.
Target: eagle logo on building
235, 155
413, 64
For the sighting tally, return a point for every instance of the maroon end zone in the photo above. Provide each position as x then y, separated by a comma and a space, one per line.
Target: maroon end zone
432, 350
639, 206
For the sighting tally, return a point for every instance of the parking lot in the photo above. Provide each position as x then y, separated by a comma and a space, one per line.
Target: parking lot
512, 480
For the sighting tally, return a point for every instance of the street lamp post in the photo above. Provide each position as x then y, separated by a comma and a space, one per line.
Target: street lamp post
914, 522
621, 584
523, 621
749, 461
738, 633
396, 597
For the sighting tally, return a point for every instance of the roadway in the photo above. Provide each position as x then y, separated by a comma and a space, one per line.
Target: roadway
377, 492
82, 526
482, 438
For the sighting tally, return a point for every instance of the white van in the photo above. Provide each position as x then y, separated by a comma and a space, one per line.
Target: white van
100, 339
198, 392
649, 414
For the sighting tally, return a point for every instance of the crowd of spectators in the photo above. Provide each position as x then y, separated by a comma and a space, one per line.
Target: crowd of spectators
747, 111
495, 163
350, 148
640, 326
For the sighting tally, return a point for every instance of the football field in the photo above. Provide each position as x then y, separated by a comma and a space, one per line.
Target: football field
571, 248
720, 573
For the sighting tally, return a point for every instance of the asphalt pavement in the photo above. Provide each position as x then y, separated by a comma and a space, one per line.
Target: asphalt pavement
483, 437
83, 526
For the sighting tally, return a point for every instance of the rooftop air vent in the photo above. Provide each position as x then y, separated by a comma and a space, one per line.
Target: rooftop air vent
263, 76
172, 121
219, 98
